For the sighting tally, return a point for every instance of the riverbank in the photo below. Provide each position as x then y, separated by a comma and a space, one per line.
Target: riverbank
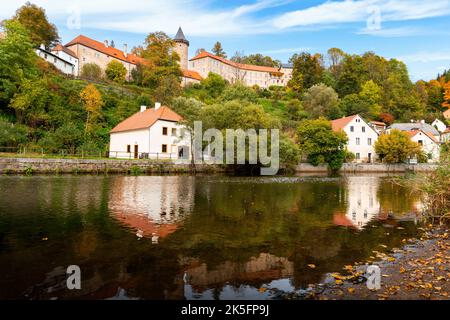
418, 271
99, 166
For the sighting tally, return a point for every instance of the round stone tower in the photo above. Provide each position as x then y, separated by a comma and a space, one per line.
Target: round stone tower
181, 47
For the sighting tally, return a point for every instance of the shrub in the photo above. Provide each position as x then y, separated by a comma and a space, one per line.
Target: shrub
91, 71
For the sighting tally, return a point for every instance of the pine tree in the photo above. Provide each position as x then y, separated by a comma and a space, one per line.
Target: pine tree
218, 50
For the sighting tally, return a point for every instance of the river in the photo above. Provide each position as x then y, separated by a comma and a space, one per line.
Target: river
186, 237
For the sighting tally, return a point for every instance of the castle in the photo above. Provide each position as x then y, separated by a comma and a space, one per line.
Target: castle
204, 63
71, 58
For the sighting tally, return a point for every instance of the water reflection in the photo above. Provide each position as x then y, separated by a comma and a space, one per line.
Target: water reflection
181, 237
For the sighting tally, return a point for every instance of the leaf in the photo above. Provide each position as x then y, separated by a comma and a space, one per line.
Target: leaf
262, 289
351, 290
402, 270
312, 266
339, 282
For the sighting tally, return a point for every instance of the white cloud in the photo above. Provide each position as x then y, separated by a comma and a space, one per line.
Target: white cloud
286, 50
336, 12
203, 18
426, 57
393, 32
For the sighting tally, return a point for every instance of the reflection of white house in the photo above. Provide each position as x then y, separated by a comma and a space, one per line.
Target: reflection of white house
361, 137
156, 206
445, 137
428, 142
362, 202
151, 133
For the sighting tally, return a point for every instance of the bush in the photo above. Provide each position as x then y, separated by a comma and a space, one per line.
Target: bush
116, 71
91, 71
12, 135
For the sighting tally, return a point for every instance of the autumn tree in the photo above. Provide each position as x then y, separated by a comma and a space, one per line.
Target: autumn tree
446, 103
321, 144
92, 103
34, 19
161, 61
218, 50
397, 147
256, 59
335, 58
199, 50
116, 71
308, 71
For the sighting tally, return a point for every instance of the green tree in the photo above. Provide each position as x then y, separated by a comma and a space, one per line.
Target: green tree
168, 88
239, 91
321, 144
214, 84
40, 30
335, 58
17, 61
366, 103
322, 101
256, 59
116, 71
12, 135
397, 147
91, 71
218, 50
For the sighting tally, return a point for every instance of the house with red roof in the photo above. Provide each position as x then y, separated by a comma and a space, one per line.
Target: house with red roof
361, 137
430, 145
150, 133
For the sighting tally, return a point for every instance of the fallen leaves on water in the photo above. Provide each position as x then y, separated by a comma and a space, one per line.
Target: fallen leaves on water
312, 266
262, 289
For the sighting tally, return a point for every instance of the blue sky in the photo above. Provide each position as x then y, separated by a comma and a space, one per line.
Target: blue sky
415, 31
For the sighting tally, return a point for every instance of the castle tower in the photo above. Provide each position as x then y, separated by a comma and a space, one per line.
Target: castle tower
181, 47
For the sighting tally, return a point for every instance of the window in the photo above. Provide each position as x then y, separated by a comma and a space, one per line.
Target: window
128, 148
369, 141
164, 148
174, 131
420, 142
352, 129
358, 141
363, 129
54, 60
164, 132
358, 156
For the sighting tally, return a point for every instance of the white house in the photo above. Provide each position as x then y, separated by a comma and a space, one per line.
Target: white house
445, 136
439, 125
67, 55
65, 66
151, 133
361, 137
430, 145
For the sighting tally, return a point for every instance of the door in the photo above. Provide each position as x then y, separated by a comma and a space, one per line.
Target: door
370, 158
136, 151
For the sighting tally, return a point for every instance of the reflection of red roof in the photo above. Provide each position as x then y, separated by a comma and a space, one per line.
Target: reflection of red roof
110, 51
144, 120
146, 225
192, 74
340, 124
340, 219
378, 123
205, 54
447, 114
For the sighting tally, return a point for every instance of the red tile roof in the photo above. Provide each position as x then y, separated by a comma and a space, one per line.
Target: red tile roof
110, 51
192, 74
413, 133
341, 123
205, 54
144, 120
60, 47
378, 123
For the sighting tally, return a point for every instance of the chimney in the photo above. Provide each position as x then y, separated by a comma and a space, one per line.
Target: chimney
42, 46
125, 49
422, 121
106, 43
143, 108
157, 105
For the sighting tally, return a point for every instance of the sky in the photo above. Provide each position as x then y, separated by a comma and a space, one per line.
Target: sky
414, 31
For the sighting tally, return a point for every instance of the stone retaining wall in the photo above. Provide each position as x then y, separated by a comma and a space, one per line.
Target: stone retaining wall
51, 166
365, 167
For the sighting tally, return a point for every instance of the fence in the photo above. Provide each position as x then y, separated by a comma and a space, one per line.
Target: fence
27, 152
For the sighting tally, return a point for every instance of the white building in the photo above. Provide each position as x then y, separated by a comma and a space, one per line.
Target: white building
439, 125
445, 137
151, 133
65, 65
67, 55
430, 145
361, 137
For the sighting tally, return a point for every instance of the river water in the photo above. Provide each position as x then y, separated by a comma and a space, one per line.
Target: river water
185, 237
